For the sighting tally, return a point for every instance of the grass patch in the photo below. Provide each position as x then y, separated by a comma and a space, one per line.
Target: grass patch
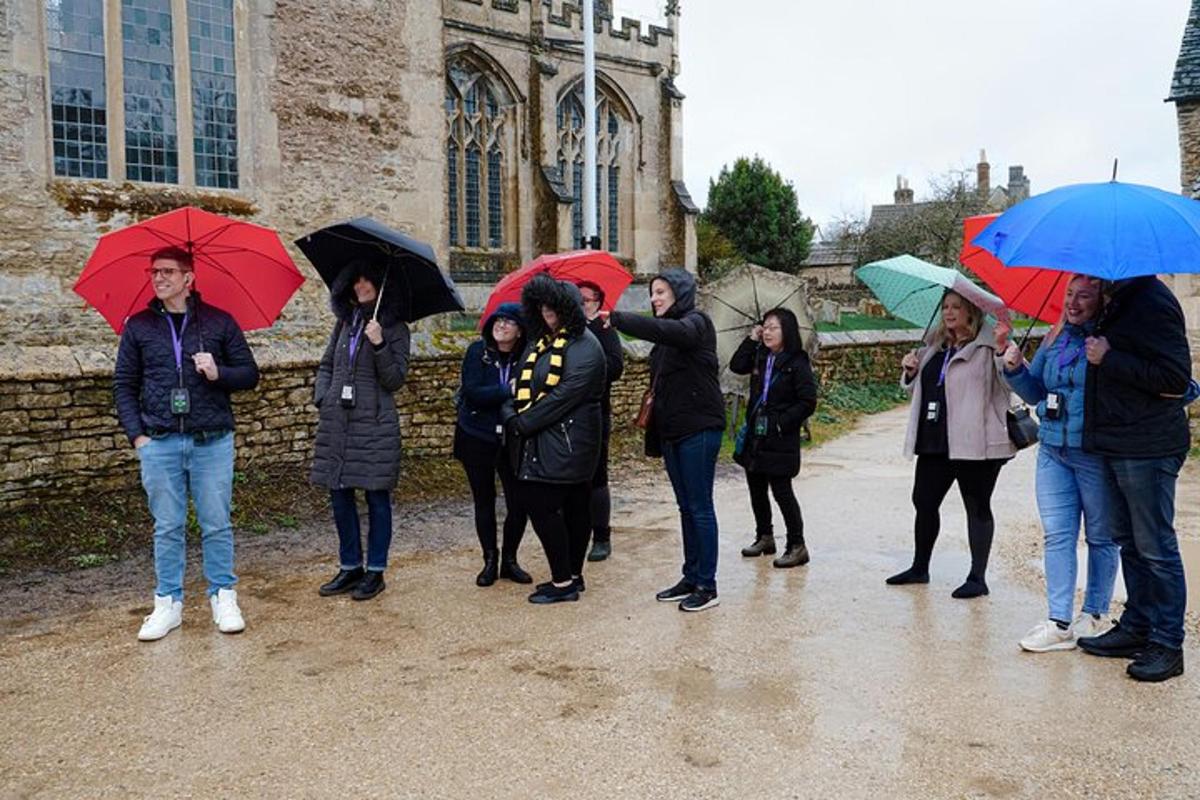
859, 322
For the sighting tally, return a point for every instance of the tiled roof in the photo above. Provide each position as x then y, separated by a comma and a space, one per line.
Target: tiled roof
1185, 85
893, 212
829, 254
684, 198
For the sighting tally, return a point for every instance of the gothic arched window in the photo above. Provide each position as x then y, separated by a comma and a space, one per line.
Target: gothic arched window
477, 153
611, 150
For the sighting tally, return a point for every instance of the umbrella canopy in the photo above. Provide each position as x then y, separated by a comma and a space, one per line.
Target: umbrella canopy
240, 267
1107, 230
411, 266
578, 266
1035, 292
912, 289
737, 302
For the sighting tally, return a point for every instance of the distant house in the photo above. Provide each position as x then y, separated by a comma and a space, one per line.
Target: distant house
998, 198
830, 264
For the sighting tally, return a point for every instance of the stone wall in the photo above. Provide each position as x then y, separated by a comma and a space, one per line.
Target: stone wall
59, 436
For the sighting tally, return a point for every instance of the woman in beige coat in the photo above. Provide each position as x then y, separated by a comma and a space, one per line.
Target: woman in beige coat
958, 433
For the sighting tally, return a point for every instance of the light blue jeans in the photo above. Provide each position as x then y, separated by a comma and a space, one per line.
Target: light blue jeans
1071, 482
173, 465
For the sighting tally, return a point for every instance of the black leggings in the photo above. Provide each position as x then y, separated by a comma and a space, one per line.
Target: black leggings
785, 497
976, 480
482, 478
561, 518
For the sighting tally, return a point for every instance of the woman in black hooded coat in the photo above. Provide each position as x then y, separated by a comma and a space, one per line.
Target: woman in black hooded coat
783, 393
358, 430
553, 426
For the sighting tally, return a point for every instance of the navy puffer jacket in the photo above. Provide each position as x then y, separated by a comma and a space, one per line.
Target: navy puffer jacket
359, 447
483, 392
146, 373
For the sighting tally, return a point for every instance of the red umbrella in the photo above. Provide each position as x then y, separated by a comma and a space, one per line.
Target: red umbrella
578, 266
1033, 291
240, 267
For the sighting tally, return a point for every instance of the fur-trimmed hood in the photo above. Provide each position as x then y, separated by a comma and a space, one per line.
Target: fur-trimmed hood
343, 302
563, 297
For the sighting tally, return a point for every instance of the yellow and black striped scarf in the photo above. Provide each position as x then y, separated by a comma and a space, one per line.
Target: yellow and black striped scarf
556, 343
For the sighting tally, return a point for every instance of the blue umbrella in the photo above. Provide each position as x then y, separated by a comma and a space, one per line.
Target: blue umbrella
1107, 230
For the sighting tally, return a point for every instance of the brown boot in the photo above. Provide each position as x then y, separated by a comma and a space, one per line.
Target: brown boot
763, 546
795, 555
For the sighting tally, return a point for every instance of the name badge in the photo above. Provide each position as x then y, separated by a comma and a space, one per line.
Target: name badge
181, 403
933, 410
347, 395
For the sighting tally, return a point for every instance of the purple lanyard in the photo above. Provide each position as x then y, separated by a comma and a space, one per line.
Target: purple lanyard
505, 369
356, 337
945, 364
177, 342
1067, 358
767, 378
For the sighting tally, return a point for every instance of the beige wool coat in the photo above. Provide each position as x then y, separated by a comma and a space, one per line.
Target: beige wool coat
977, 399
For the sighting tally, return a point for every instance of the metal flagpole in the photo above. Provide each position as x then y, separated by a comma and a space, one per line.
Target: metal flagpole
590, 238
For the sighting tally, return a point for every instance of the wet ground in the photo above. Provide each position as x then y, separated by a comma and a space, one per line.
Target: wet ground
814, 682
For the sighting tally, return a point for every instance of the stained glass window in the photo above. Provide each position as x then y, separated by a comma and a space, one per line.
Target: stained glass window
495, 204
472, 196
78, 107
151, 146
214, 92
609, 154
475, 152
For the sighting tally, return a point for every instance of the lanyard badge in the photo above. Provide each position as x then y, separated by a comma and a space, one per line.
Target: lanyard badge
181, 402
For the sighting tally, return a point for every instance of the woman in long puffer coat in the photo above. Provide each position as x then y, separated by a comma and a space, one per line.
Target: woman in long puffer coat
358, 432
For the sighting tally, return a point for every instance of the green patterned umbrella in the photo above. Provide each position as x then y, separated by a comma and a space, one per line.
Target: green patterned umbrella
912, 289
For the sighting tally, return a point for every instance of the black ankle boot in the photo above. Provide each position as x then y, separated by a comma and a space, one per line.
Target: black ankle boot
344, 581
763, 546
510, 570
371, 585
796, 555
487, 575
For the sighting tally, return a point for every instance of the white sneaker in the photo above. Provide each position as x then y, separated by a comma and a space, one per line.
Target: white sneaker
1046, 637
226, 614
166, 617
1087, 625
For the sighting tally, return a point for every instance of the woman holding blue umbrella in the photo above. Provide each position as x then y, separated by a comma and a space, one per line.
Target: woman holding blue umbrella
958, 433
1070, 481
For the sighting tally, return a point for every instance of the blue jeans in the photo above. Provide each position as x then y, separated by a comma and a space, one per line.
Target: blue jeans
379, 535
692, 467
1144, 528
1071, 482
173, 465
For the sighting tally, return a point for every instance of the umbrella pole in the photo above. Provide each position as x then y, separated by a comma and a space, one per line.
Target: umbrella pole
379, 297
1037, 317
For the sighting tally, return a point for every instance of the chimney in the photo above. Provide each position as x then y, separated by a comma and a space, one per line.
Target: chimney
983, 176
903, 195
1018, 184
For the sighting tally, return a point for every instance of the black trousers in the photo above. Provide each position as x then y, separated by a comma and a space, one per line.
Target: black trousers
601, 499
561, 518
482, 478
785, 497
976, 481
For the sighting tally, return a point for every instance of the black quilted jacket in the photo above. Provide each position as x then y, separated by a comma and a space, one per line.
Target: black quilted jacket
145, 372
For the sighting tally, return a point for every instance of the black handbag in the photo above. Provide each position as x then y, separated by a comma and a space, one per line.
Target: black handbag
1022, 427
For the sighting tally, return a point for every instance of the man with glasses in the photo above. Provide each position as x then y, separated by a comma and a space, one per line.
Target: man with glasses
614, 361
177, 363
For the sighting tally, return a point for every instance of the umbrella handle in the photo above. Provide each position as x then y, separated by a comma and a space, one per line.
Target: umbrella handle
379, 297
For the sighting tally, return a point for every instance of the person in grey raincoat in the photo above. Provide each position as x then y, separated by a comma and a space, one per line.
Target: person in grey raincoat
358, 432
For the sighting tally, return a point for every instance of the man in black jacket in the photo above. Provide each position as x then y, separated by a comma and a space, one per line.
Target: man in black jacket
614, 362
177, 363
1139, 367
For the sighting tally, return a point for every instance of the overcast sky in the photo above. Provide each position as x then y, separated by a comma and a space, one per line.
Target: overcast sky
840, 96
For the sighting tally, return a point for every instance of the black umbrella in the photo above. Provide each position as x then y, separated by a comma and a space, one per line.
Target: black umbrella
411, 266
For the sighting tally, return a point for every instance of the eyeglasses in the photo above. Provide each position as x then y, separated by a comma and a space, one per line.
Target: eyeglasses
504, 321
162, 272
772, 328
